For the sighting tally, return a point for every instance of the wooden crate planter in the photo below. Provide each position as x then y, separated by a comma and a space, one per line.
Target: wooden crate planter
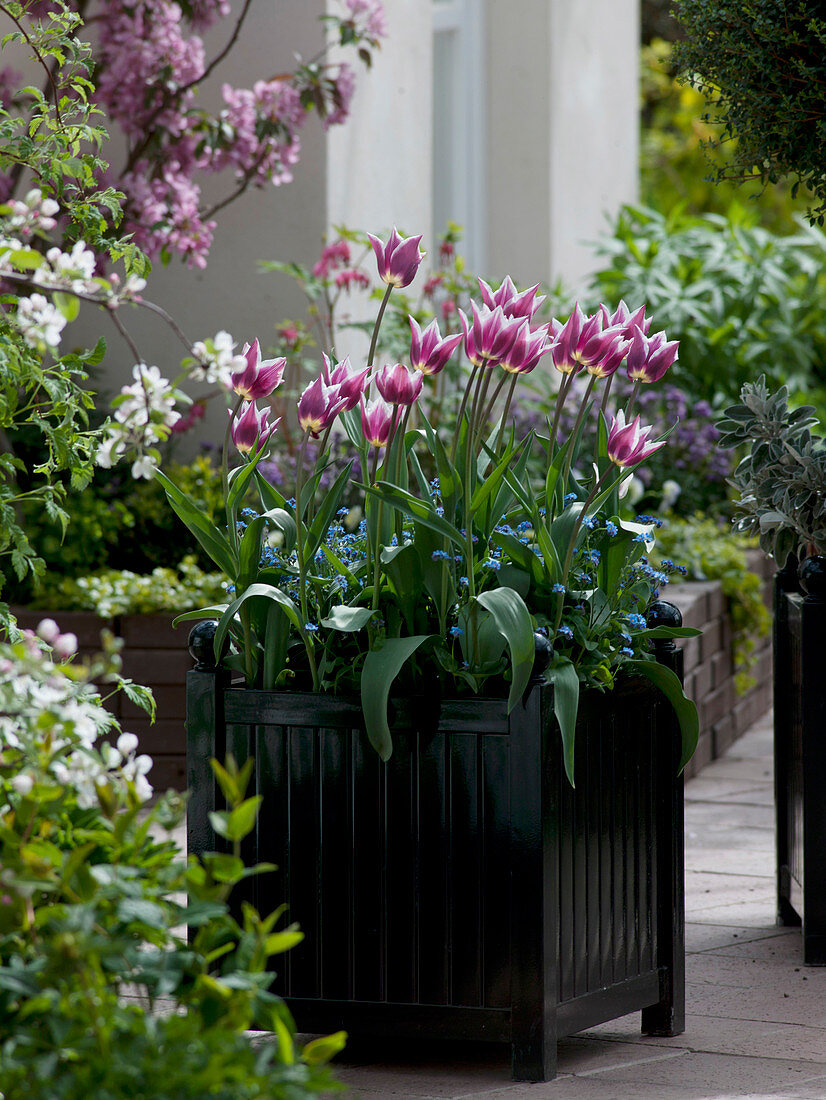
463, 890
800, 755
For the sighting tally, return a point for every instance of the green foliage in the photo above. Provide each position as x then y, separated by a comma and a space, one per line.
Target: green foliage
763, 64
740, 300
50, 399
677, 163
102, 996
782, 477
117, 527
710, 553
58, 145
112, 592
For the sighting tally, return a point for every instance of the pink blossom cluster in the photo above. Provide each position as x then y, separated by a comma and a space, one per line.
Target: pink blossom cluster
262, 126
148, 67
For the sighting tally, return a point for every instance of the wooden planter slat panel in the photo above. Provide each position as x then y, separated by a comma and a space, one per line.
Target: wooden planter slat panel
464, 890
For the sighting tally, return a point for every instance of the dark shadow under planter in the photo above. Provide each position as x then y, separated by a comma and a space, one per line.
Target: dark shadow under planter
800, 751
463, 890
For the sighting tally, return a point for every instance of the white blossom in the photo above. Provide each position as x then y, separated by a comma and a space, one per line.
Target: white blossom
39, 321
22, 783
216, 360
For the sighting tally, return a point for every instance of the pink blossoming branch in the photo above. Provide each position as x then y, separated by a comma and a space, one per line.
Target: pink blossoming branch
149, 69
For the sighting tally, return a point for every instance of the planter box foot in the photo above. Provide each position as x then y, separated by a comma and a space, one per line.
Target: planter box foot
533, 1061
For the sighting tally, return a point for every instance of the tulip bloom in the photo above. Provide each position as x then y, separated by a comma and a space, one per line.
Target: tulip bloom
490, 336
650, 356
260, 376
398, 385
513, 303
604, 352
429, 353
350, 381
571, 340
628, 443
377, 421
527, 349
399, 259
623, 316
251, 429
318, 407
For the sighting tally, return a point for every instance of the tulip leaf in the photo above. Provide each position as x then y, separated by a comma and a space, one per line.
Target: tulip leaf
565, 680
267, 591
381, 667
514, 623
214, 612
270, 496
326, 513
238, 481
276, 640
347, 619
520, 554
211, 538
249, 552
281, 519
685, 709
416, 509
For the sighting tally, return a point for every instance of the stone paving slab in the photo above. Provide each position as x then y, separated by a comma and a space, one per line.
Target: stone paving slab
756, 1017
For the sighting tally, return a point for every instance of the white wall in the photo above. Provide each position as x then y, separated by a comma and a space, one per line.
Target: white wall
562, 105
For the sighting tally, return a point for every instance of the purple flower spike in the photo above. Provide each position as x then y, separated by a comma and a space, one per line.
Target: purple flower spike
251, 429
628, 443
650, 356
377, 420
399, 259
260, 376
318, 407
528, 348
350, 381
398, 385
429, 353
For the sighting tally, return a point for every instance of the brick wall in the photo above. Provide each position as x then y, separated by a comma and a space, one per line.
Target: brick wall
156, 655
708, 663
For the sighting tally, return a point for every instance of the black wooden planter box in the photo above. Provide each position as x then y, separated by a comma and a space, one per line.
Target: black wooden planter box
464, 890
800, 758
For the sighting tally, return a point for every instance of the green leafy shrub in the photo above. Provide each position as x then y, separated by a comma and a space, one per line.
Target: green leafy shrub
678, 164
709, 553
111, 592
102, 996
782, 477
116, 525
764, 65
741, 300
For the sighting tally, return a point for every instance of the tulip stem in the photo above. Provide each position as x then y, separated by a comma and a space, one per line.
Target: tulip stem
632, 400
561, 395
569, 457
566, 568
462, 408
507, 408
372, 353
602, 413
302, 566
225, 454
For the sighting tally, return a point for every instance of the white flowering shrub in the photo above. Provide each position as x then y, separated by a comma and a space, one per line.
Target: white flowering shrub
110, 592
93, 906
